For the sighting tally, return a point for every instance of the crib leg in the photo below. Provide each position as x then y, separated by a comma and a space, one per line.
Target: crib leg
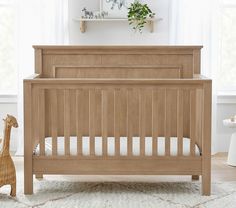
13, 190
28, 178
28, 173
28, 187
195, 177
39, 176
206, 185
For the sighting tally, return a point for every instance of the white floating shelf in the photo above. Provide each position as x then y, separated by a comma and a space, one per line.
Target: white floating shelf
83, 22
100, 20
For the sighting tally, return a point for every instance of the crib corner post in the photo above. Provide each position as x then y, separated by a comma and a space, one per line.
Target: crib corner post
28, 153
206, 139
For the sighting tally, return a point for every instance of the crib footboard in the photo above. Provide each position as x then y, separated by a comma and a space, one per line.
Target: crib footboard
132, 127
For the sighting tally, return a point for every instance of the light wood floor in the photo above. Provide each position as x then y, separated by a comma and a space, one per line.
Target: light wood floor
220, 172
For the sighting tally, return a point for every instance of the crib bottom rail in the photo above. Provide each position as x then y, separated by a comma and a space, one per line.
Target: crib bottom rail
73, 165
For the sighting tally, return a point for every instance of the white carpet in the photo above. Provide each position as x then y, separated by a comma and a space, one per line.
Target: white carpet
121, 195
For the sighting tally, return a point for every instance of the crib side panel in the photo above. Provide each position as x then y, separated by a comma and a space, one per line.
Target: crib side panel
129, 111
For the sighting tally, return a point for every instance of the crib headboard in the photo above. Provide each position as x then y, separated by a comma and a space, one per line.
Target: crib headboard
117, 61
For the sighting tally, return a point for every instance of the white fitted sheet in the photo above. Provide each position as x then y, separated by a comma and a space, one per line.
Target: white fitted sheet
123, 146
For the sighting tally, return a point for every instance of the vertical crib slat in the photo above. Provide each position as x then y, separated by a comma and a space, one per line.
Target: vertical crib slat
129, 142
142, 119
129, 123
167, 122
133, 118
42, 121
108, 117
117, 121
104, 121
199, 110
120, 117
67, 121
92, 105
82, 117
180, 115
154, 121
192, 121
78, 125
35, 116
54, 121
95, 117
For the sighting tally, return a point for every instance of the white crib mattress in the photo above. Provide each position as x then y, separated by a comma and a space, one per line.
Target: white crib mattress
123, 146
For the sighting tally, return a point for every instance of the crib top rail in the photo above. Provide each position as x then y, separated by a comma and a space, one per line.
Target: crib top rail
120, 47
197, 80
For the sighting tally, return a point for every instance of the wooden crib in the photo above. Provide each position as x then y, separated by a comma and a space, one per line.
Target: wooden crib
114, 93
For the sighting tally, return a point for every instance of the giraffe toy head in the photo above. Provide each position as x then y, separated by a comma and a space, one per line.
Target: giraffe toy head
11, 121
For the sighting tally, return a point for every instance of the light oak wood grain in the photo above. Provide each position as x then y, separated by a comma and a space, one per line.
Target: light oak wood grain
118, 91
187, 59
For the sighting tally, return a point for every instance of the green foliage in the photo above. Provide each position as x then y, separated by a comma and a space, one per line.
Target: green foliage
138, 14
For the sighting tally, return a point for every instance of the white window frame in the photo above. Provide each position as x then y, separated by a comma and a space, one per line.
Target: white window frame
12, 96
8, 99
229, 92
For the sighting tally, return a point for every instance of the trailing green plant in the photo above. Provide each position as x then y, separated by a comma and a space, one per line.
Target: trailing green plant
138, 14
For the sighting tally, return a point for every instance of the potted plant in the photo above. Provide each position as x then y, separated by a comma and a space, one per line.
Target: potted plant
138, 14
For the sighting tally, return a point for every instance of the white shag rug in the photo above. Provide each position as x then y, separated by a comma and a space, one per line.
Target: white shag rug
49, 193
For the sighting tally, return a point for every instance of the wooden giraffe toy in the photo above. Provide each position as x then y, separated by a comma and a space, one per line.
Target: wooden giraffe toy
7, 167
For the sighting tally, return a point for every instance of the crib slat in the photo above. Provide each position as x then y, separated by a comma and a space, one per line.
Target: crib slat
104, 121
161, 111
67, 121
180, 122
35, 117
82, 120
199, 110
41, 116
54, 121
78, 125
110, 112
133, 118
186, 118
167, 122
117, 121
129, 126
154, 121
142, 121
92, 105
192, 121
129, 143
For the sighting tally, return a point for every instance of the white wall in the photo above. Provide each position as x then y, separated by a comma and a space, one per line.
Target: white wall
117, 33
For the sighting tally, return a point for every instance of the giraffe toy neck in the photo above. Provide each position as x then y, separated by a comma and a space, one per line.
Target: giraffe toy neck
6, 142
